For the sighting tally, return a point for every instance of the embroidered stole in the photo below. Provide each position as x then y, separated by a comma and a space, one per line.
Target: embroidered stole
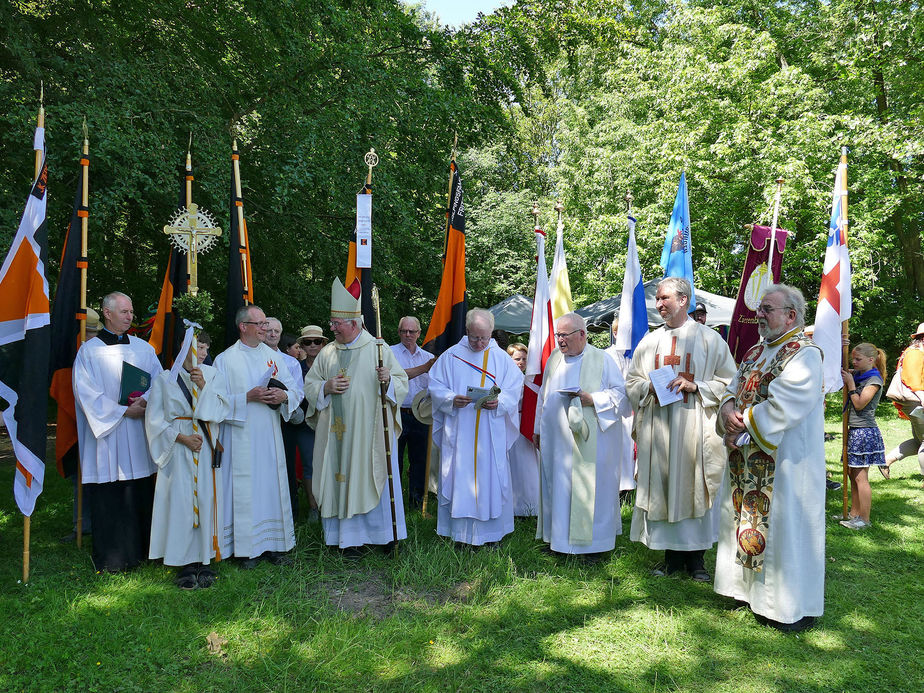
752, 470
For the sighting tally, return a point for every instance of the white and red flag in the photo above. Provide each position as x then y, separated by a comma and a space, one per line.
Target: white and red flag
834, 299
540, 340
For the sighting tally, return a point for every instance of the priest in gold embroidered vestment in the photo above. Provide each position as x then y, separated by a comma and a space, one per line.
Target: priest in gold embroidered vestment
772, 534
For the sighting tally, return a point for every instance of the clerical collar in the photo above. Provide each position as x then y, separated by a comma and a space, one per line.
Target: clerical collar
110, 338
782, 338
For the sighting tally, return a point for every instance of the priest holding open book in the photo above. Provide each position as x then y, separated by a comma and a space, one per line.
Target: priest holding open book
111, 374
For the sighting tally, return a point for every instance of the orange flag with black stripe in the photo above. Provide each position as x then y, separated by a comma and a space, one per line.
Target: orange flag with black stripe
240, 276
447, 326
66, 315
361, 276
176, 281
24, 340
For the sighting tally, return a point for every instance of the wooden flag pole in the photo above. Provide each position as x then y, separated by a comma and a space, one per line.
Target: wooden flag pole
82, 263
845, 340
776, 216
383, 389
27, 519
241, 225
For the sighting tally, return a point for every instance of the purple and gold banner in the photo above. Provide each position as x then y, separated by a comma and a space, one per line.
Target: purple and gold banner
754, 281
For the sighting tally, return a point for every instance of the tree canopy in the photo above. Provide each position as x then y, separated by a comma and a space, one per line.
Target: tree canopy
582, 100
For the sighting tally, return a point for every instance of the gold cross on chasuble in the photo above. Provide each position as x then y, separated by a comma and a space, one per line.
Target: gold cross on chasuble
339, 427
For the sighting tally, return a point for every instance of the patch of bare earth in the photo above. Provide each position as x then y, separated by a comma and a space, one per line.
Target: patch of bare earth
371, 596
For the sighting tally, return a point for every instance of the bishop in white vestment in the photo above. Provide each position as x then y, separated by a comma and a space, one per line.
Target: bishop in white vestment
580, 408
474, 435
114, 455
258, 511
681, 459
356, 485
772, 539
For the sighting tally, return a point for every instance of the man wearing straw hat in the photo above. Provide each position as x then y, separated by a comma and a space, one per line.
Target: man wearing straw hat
357, 488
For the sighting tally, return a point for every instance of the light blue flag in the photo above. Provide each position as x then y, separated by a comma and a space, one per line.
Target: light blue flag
633, 315
677, 256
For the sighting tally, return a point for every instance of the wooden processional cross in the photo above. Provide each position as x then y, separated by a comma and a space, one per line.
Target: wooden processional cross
673, 359
194, 231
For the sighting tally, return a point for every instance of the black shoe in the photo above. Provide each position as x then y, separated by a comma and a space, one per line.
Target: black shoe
832, 485
802, 624
700, 575
664, 571
592, 558
206, 577
249, 563
186, 578
389, 549
278, 557
353, 553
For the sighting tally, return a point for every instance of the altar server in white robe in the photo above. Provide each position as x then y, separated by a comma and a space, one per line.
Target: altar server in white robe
258, 511
772, 540
681, 459
627, 456
580, 409
357, 487
114, 456
188, 499
475, 499
523, 456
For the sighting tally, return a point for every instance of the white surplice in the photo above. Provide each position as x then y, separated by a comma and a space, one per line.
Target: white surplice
173, 534
791, 419
475, 497
556, 442
627, 458
258, 512
681, 458
112, 446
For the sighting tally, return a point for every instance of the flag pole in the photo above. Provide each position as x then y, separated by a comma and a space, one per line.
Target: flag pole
383, 388
845, 341
27, 519
85, 203
776, 215
241, 225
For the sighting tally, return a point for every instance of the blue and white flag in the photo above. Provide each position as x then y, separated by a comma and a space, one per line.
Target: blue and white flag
677, 256
633, 315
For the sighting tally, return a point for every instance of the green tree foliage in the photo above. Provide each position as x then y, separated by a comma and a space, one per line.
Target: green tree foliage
307, 87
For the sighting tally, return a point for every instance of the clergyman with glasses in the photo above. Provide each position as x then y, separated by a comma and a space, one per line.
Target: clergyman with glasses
681, 458
580, 439
258, 523
415, 436
359, 505
772, 536
475, 387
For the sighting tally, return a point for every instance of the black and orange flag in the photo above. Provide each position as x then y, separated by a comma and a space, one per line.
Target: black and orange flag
24, 339
66, 315
361, 276
240, 277
447, 326
176, 281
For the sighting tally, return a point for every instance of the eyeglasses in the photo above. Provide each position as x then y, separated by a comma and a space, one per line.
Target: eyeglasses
769, 309
251, 322
408, 331
314, 342
563, 335
479, 339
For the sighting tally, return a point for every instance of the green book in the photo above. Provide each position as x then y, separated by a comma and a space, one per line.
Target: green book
135, 382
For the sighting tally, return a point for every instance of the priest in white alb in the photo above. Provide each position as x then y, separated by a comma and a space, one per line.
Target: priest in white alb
258, 512
188, 498
772, 538
581, 403
114, 456
474, 429
356, 485
681, 459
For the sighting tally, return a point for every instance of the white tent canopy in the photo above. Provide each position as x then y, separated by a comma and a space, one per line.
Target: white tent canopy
514, 314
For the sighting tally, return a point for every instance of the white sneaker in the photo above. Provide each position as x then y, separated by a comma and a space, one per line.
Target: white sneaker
855, 523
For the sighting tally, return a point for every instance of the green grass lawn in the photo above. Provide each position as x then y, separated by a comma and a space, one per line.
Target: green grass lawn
437, 618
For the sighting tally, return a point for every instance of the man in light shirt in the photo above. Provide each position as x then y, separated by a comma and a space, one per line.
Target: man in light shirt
415, 436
